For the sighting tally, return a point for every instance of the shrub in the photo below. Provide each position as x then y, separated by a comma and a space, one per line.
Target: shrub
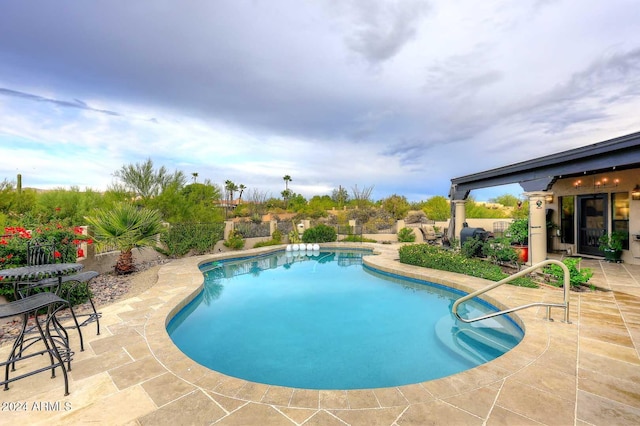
433, 257
357, 239
235, 241
499, 251
406, 235
13, 244
577, 277
320, 234
276, 239
518, 231
181, 238
472, 247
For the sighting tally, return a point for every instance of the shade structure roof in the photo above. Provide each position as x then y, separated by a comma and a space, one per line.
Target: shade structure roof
539, 174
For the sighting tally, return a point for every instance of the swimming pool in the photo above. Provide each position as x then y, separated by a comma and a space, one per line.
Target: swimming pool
323, 320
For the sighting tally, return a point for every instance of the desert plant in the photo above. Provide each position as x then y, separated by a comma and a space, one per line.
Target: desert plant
181, 238
125, 227
406, 235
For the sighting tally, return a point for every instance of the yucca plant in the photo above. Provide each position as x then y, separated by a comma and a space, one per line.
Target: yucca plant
125, 227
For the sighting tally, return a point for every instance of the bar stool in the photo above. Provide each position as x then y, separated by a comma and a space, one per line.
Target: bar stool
43, 253
56, 343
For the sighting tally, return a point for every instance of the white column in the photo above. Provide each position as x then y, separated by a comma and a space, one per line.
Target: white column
537, 227
461, 216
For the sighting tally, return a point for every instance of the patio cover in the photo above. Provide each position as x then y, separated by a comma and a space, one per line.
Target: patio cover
540, 173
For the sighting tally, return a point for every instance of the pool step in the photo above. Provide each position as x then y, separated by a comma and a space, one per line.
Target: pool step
477, 342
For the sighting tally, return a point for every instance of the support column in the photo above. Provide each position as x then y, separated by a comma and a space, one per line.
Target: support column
537, 227
461, 216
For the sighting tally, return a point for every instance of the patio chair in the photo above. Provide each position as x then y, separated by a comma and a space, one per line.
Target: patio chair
56, 344
429, 234
80, 280
42, 253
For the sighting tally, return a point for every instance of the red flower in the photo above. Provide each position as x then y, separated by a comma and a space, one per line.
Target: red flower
3, 242
89, 241
76, 242
57, 254
80, 252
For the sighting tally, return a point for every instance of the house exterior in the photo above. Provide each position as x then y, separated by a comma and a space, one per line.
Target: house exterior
583, 193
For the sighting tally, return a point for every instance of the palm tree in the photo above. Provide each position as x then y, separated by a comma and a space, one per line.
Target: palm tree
125, 227
287, 179
241, 187
195, 176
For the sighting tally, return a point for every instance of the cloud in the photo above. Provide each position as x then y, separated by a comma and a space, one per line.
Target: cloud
66, 104
380, 30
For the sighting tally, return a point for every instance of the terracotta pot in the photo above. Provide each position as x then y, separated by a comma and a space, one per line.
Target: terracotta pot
523, 253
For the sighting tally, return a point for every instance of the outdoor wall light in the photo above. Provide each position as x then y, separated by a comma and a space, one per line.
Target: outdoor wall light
548, 198
604, 182
635, 193
577, 184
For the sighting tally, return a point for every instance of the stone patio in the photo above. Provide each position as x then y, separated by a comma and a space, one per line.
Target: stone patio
585, 372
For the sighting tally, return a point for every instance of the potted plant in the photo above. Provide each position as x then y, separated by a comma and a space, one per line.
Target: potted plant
518, 234
611, 245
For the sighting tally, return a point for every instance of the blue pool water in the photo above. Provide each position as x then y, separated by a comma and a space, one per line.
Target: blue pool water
323, 320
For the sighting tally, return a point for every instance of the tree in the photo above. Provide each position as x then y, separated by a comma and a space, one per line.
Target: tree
286, 194
287, 179
506, 200
340, 196
125, 227
241, 187
396, 205
362, 197
144, 181
194, 175
437, 208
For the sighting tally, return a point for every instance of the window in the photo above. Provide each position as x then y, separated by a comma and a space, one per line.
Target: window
567, 220
620, 215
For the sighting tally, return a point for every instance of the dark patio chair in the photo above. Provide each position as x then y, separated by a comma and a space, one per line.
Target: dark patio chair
56, 344
40, 253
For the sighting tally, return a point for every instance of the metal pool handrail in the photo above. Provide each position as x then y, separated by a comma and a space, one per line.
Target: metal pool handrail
564, 305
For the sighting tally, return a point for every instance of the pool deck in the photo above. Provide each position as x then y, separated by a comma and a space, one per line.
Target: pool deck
586, 372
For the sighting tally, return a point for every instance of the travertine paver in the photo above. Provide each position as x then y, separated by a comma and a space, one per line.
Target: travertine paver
586, 372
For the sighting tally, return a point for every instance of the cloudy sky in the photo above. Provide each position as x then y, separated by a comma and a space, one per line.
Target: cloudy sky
399, 95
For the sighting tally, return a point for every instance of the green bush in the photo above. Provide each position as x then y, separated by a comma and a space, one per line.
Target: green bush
357, 239
181, 238
406, 235
472, 247
235, 241
577, 277
276, 239
433, 257
499, 250
320, 234
518, 231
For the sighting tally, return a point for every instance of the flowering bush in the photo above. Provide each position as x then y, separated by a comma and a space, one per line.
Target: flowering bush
67, 241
